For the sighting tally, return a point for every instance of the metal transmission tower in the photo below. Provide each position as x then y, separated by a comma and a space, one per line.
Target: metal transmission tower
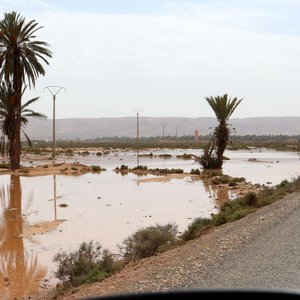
54, 90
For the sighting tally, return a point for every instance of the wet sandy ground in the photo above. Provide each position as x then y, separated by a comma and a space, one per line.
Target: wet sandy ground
43, 215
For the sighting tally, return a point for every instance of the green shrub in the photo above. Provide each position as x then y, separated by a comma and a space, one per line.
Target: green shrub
224, 179
214, 173
122, 168
166, 171
165, 155
197, 226
4, 166
195, 172
185, 156
240, 213
149, 241
139, 167
232, 183
88, 264
240, 207
97, 168
219, 219
239, 179
251, 199
174, 171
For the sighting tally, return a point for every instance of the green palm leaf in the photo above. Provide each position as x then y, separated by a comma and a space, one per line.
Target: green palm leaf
21, 58
223, 108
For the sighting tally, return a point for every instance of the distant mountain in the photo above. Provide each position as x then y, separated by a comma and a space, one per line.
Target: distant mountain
84, 128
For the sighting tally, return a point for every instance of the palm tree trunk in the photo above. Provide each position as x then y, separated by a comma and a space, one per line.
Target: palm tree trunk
222, 141
14, 151
15, 146
220, 152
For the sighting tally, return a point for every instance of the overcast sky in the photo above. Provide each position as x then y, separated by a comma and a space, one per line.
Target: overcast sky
164, 56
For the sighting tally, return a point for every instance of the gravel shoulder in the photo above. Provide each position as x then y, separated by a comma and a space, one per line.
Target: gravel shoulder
262, 250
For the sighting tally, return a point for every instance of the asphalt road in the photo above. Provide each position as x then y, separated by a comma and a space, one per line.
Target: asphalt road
271, 259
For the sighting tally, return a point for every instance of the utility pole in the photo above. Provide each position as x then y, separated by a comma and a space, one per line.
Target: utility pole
137, 137
137, 110
163, 133
54, 90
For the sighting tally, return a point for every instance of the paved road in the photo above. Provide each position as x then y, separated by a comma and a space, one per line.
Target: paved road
271, 259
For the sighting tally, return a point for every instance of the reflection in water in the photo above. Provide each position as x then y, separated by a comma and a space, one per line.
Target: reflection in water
219, 193
20, 276
54, 197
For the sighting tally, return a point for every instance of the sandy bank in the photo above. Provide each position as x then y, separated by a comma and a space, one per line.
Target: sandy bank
51, 169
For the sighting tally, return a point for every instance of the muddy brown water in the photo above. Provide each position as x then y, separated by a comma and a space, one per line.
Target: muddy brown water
40, 216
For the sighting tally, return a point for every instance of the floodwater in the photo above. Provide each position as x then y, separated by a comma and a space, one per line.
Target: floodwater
108, 207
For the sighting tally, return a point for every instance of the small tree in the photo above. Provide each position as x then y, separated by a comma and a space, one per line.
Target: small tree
223, 108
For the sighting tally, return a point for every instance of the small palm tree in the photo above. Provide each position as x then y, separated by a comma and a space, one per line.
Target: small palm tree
8, 114
20, 56
223, 108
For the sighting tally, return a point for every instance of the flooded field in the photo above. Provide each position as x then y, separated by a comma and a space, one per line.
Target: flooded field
40, 216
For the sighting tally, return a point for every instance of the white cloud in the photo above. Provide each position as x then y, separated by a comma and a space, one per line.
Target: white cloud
112, 63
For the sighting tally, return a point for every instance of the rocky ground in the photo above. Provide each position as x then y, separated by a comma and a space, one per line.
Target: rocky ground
260, 250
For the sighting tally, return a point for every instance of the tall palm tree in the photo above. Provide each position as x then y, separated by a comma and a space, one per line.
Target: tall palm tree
8, 114
20, 56
223, 108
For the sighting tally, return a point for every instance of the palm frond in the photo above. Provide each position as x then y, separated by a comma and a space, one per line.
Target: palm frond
27, 139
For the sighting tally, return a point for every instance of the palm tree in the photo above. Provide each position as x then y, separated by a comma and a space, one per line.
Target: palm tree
20, 56
223, 108
8, 114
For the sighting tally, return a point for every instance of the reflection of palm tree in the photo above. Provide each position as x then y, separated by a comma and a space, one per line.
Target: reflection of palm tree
218, 193
24, 274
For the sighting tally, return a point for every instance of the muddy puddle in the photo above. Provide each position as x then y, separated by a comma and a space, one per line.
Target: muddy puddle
41, 216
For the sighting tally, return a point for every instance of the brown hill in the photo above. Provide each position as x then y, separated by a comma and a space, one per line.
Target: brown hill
84, 128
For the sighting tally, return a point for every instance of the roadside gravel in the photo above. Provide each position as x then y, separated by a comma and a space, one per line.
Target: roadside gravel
262, 250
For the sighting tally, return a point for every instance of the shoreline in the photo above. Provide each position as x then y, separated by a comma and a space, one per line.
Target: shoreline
172, 269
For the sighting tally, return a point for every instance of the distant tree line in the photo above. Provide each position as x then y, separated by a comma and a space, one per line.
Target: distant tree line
187, 141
